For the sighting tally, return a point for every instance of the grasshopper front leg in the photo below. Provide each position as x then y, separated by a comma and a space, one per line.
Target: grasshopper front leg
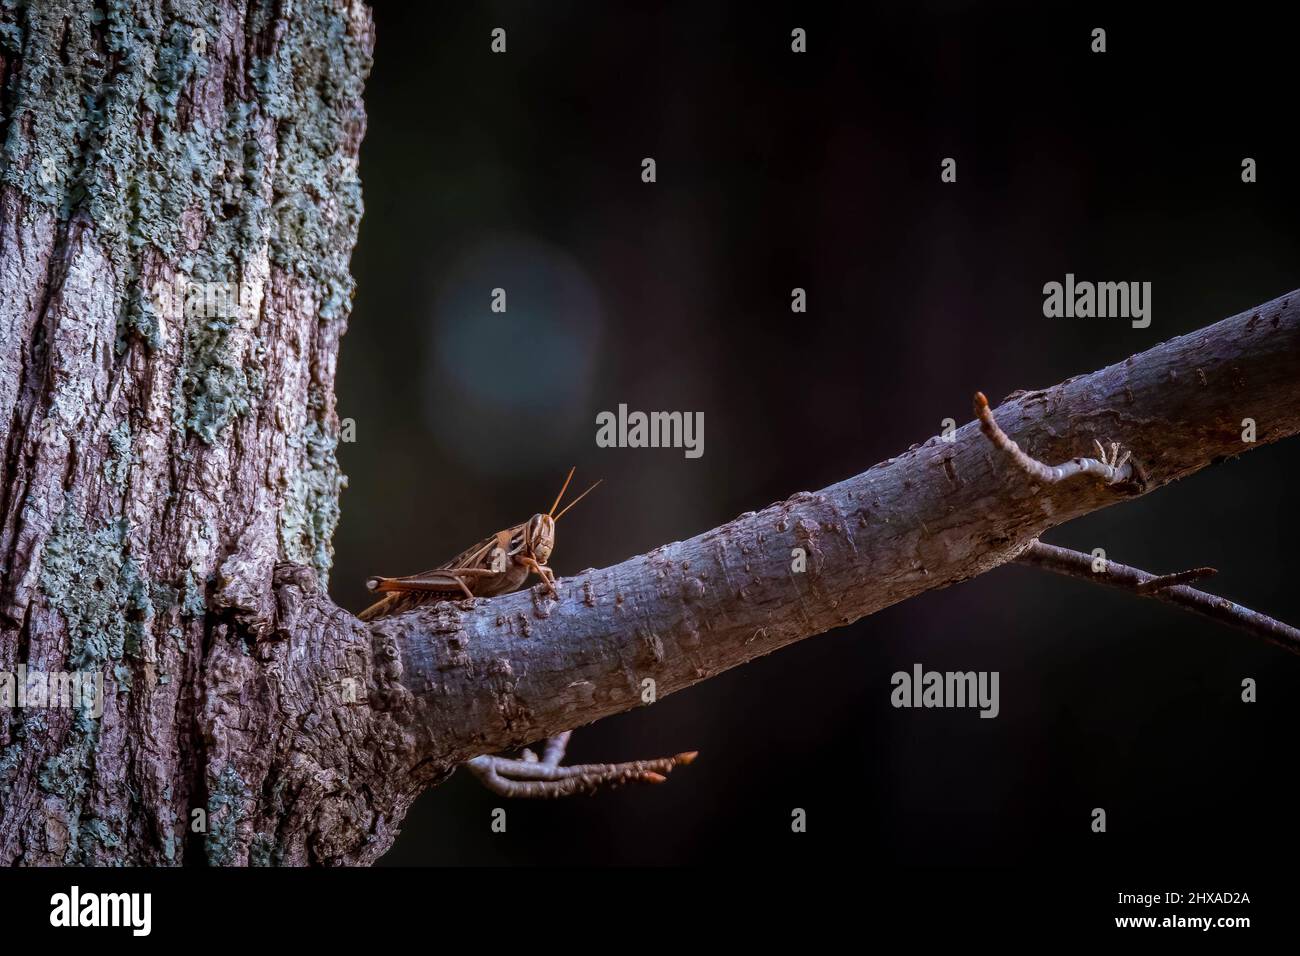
541, 570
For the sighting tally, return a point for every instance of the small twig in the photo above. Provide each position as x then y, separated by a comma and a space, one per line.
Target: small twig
1179, 577
555, 748
1076, 564
545, 778
1113, 469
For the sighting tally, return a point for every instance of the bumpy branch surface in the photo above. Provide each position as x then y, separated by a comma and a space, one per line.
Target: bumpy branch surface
481, 676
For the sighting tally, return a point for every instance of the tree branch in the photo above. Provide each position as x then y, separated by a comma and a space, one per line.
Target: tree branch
485, 675
1168, 588
530, 777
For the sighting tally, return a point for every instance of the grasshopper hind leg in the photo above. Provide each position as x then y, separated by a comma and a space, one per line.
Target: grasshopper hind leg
430, 583
418, 585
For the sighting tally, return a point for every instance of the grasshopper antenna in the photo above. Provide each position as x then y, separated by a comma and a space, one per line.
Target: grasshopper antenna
563, 489
577, 499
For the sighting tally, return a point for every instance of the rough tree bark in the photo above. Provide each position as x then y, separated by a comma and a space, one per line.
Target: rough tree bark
170, 487
158, 460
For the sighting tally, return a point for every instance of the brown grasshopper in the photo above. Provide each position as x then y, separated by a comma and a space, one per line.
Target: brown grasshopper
496, 565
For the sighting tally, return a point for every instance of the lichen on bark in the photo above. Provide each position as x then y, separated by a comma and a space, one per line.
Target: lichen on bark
228, 796
311, 506
114, 115
97, 586
159, 461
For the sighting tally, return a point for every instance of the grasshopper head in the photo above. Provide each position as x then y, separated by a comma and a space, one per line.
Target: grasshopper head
539, 537
539, 532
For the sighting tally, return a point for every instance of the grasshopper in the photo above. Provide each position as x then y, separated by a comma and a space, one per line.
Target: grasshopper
498, 564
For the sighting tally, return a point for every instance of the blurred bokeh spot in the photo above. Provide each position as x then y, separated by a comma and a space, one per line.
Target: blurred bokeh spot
520, 375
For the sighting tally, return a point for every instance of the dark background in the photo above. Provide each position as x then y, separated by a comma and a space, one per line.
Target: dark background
821, 170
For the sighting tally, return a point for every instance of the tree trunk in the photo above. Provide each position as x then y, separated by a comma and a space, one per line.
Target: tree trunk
179, 200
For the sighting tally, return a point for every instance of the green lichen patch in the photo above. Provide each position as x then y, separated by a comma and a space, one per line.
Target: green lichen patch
109, 115
221, 379
193, 598
117, 464
66, 775
264, 851
311, 506
313, 89
31, 726
102, 834
11, 34
9, 759
227, 806
98, 588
